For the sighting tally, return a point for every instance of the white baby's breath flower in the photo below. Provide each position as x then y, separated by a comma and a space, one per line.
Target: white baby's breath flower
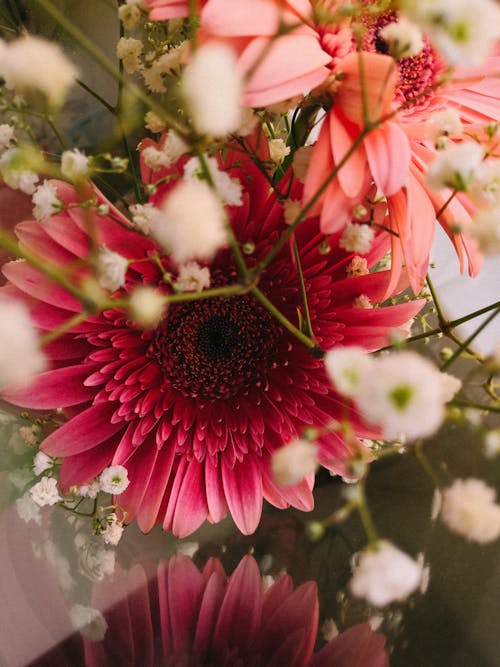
154, 123
469, 509
154, 74
74, 165
193, 277
30, 434
405, 394
6, 136
492, 443
329, 629
212, 88
145, 217
248, 122
46, 202
403, 37
28, 510
301, 161
465, 32
357, 238
291, 210
278, 150
384, 575
228, 189
455, 167
41, 463
362, 301
20, 356
20, 477
89, 490
114, 479
45, 492
295, 461
114, 529
486, 230
33, 63
13, 175
89, 621
111, 269
129, 15
345, 367
129, 51
443, 123
60, 566
146, 306
169, 151
485, 188
155, 158
358, 266
193, 224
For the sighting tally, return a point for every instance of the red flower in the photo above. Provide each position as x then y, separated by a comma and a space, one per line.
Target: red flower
206, 618
195, 408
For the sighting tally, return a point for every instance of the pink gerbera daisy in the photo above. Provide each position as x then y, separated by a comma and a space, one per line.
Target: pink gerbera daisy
195, 408
193, 618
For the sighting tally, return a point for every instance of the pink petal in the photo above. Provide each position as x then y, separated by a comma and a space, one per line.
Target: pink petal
240, 612
243, 489
33, 237
388, 153
83, 432
32, 282
187, 505
184, 592
358, 646
84, 467
351, 175
54, 389
253, 17
209, 613
147, 512
293, 65
216, 499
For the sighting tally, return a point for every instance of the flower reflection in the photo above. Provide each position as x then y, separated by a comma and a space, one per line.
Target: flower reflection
192, 618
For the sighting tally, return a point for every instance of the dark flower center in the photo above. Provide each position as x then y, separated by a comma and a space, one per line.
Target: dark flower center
417, 74
216, 348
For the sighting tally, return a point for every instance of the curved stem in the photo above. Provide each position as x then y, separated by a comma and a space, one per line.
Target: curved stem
308, 342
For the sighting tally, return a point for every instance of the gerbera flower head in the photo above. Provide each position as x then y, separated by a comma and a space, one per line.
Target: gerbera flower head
195, 406
223, 620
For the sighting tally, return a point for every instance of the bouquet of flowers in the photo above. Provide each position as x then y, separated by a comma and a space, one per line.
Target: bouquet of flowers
227, 291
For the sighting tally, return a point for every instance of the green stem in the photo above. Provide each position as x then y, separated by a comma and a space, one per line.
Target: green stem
365, 516
66, 326
260, 296
463, 403
303, 292
96, 96
425, 463
446, 204
440, 315
469, 340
